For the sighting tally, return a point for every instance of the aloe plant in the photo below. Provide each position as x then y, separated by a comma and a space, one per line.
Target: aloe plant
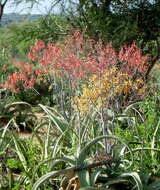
81, 166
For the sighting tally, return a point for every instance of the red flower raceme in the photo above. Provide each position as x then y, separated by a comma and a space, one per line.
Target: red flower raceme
24, 77
132, 58
77, 59
32, 56
38, 72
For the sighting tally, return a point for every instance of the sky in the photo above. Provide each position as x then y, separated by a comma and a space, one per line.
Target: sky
42, 8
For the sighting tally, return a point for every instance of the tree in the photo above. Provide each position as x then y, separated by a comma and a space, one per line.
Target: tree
2, 5
16, 2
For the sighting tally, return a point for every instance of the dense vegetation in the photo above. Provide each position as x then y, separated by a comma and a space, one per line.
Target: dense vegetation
79, 99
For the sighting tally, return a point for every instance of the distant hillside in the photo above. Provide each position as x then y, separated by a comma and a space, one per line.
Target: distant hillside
13, 17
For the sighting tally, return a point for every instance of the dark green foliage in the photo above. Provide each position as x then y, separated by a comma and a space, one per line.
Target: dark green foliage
125, 21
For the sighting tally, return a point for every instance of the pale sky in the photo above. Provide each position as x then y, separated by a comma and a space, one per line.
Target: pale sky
42, 8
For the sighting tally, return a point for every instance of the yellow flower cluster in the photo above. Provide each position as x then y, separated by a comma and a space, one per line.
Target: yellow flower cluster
100, 90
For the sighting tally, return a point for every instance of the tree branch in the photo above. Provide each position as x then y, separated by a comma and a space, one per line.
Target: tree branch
2, 8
